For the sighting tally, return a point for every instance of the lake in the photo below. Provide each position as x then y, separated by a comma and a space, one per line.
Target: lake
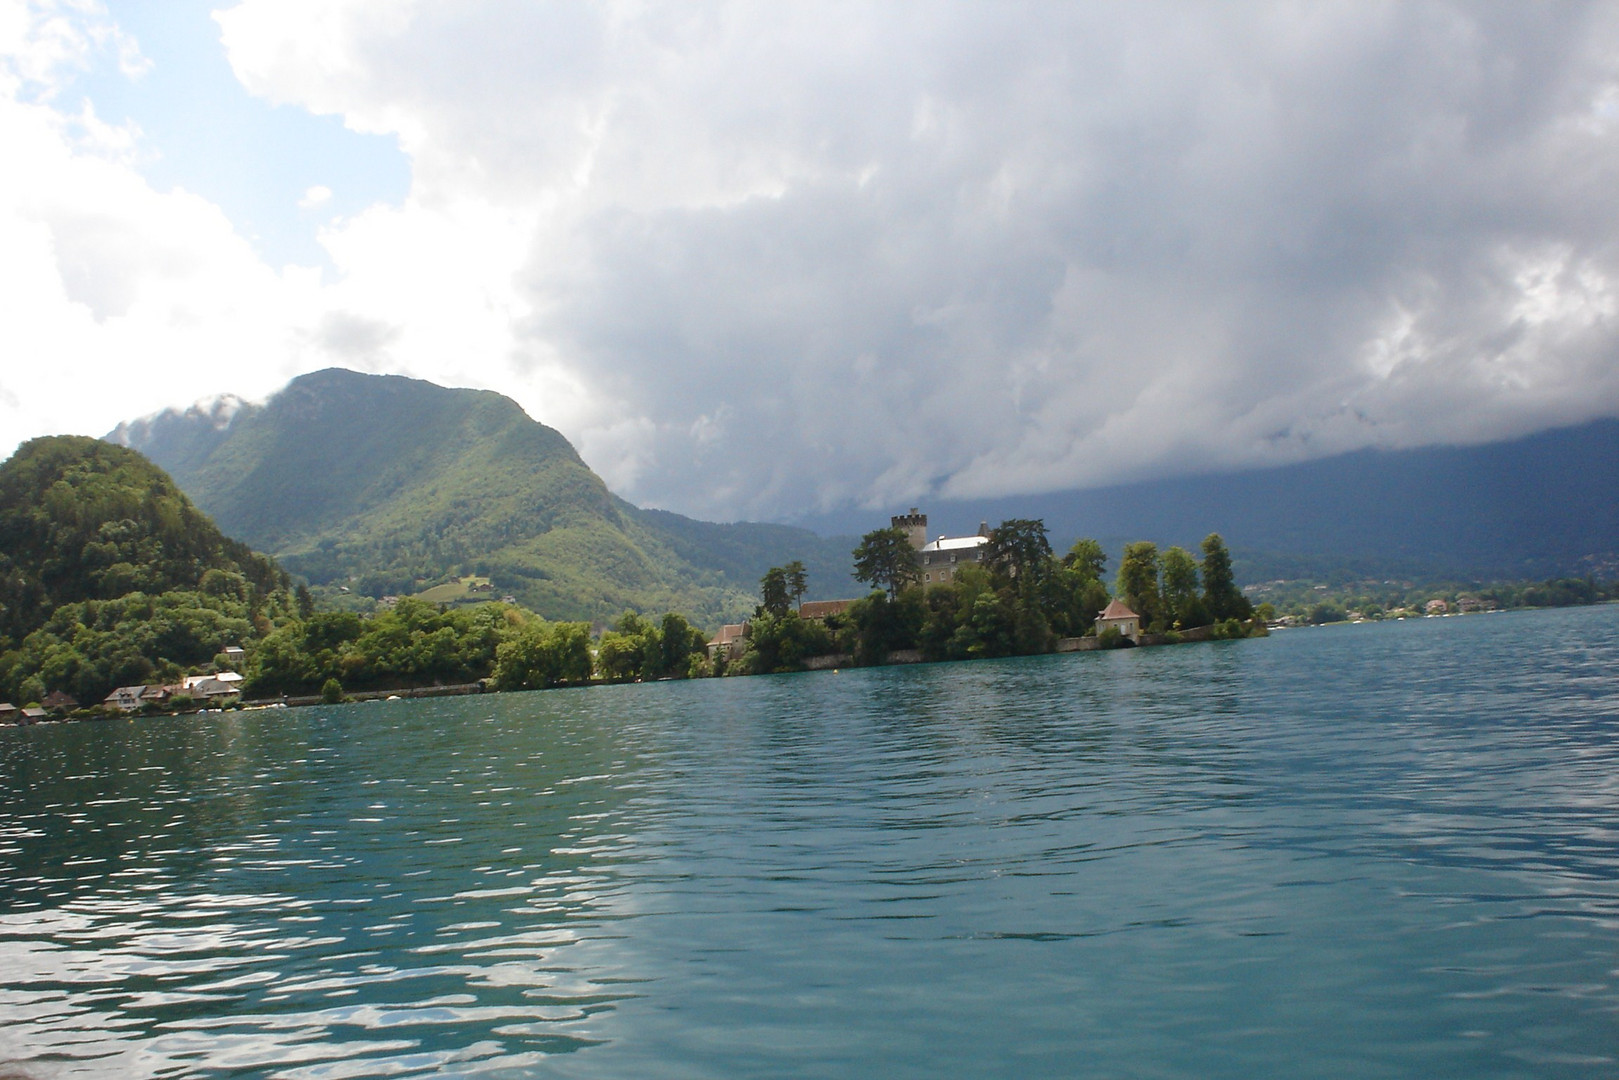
1358, 851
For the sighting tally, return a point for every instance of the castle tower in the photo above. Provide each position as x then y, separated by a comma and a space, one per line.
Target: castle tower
915, 525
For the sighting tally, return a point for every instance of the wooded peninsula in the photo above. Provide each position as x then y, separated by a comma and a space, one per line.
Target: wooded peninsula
112, 581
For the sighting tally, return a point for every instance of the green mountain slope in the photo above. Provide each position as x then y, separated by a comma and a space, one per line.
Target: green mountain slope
387, 484
110, 576
82, 520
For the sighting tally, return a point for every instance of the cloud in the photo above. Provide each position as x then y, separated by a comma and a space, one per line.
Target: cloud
115, 298
793, 258
761, 259
318, 195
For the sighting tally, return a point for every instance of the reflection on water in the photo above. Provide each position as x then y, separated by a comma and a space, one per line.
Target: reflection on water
1349, 852
370, 884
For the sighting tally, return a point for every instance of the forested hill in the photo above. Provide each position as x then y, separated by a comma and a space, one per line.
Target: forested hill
82, 520
387, 485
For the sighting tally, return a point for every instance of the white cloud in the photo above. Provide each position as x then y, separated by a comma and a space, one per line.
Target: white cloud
318, 195
760, 258
115, 298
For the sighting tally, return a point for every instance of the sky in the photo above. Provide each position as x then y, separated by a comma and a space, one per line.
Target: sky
764, 260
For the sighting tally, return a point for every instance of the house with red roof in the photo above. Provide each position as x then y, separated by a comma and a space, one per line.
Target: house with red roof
1116, 616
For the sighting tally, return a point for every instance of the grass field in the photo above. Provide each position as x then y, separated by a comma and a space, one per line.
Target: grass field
465, 591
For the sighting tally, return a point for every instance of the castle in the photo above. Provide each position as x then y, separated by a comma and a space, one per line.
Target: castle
940, 558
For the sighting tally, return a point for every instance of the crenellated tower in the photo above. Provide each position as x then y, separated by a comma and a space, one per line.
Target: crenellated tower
915, 525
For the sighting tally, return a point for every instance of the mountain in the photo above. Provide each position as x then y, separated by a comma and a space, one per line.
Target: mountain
388, 484
1533, 507
81, 520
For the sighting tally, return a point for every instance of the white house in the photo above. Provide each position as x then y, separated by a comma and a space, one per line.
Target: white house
125, 698
191, 682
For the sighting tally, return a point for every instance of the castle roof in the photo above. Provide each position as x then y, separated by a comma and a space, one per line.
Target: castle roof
820, 609
955, 543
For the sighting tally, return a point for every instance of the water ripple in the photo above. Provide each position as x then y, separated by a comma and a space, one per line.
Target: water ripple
1364, 851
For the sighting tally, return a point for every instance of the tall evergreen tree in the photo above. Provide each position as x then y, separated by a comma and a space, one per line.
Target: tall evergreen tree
797, 581
773, 591
885, 559
1220, 592
1018, 550
679, 641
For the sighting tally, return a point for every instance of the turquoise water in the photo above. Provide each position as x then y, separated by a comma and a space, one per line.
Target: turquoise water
1363, 851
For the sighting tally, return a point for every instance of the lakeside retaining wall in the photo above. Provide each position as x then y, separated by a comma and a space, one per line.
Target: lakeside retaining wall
453, 690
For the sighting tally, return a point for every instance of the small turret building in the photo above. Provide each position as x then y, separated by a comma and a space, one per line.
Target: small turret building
1117, 616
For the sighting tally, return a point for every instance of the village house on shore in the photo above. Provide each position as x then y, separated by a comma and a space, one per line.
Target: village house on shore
200, 688
729, 642
1118, 616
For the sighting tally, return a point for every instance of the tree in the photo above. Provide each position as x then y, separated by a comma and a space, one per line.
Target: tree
1220, 592
781, 642
1076, 589
543, 654
1018, 550
639, 650
1182, 606
941, 614
1086, 558
874, 626
618, 656
1138, 581
797, 581
885, 559
989, 628
773, 592
1076, 598
679, 643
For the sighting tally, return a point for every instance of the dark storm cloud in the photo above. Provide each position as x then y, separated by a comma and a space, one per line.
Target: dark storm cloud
800, 256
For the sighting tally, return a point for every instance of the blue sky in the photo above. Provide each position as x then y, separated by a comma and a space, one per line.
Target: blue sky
202, 131
762, 260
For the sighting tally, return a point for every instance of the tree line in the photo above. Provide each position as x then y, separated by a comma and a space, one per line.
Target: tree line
420, 644
1018, 599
